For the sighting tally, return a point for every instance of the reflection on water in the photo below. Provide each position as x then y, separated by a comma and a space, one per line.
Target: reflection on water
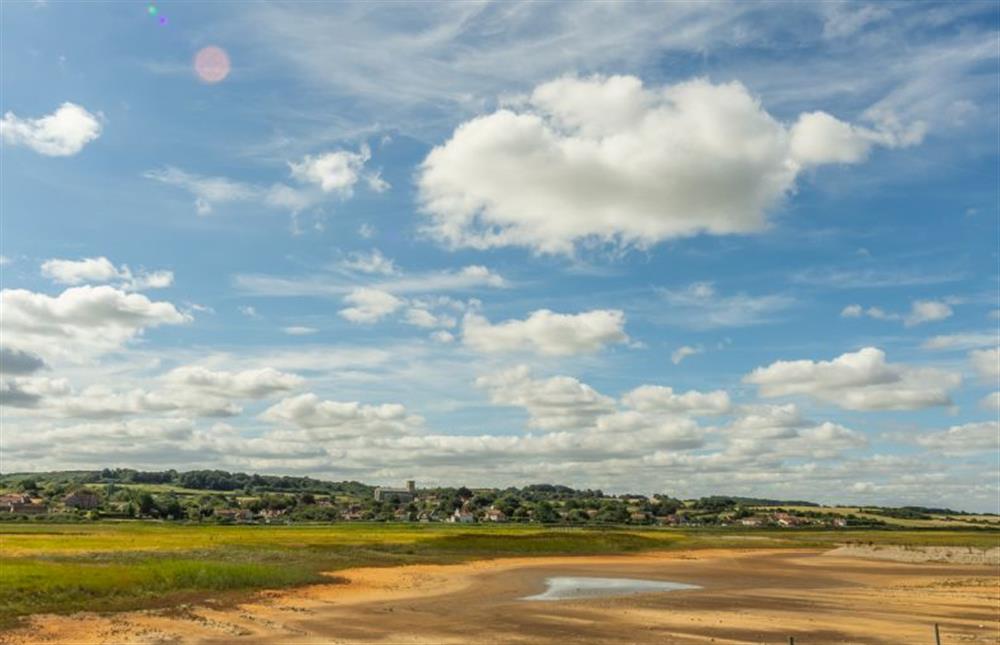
566, 587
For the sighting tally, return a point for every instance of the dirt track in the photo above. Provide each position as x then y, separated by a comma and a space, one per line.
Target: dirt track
747, 597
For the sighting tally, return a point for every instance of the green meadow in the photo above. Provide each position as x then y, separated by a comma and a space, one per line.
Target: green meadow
111, 566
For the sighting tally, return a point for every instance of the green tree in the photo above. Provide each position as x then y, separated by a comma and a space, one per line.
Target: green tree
147, 505
173, 509
545, 513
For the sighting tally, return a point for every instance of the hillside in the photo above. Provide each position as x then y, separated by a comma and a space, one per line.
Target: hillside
224, 497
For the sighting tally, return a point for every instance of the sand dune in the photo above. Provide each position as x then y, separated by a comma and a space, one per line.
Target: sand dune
751, 596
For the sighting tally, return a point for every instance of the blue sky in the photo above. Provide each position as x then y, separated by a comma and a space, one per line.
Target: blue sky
728, 248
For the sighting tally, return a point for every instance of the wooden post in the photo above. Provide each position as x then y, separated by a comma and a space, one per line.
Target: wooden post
937, 634
791, 640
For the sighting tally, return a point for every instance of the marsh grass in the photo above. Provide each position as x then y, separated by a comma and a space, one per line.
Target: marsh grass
129, 565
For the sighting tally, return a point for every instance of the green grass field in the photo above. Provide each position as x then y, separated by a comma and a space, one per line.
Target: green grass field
107, 566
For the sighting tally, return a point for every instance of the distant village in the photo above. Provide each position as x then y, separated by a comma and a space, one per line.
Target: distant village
221, 497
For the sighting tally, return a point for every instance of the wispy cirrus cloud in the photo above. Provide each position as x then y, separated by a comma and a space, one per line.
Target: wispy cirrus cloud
847, 278
337, 284
921, 311
330, 174
414, 81
700, 305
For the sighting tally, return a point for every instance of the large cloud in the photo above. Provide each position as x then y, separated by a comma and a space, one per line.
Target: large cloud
860, 380
81, 321
547, 332
606, 158
63, 133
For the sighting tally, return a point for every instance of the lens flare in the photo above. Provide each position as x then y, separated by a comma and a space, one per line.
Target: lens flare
151, 9
211, 64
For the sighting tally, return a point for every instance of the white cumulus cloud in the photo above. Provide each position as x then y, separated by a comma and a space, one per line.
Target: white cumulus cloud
369, 305
63, 133
861, 380
81, 321
657, 398
337, 171
991, 402
609, 159
246, 384
547, 332
986, 363
330, 419
100, 270
924, 311
371, 262
968, 438
556, 403
678, 355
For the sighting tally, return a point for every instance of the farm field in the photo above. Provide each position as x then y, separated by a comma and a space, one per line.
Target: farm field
937, 520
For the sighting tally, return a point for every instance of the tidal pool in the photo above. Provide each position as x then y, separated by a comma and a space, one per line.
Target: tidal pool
568, 587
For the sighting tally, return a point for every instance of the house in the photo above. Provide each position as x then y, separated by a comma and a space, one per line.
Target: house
462, 516
18, 503
784, 519
840, 522
235, 515
83, 498
674, 520
495, 515
408, 494
269, 513
401, 515
751, 521
638, 517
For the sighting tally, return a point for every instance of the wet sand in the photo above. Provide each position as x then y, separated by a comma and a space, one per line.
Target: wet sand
753, 596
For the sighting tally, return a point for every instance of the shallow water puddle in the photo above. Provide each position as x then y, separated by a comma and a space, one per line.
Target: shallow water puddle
567, 587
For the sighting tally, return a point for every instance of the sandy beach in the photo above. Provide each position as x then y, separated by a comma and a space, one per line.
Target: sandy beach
746, 596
